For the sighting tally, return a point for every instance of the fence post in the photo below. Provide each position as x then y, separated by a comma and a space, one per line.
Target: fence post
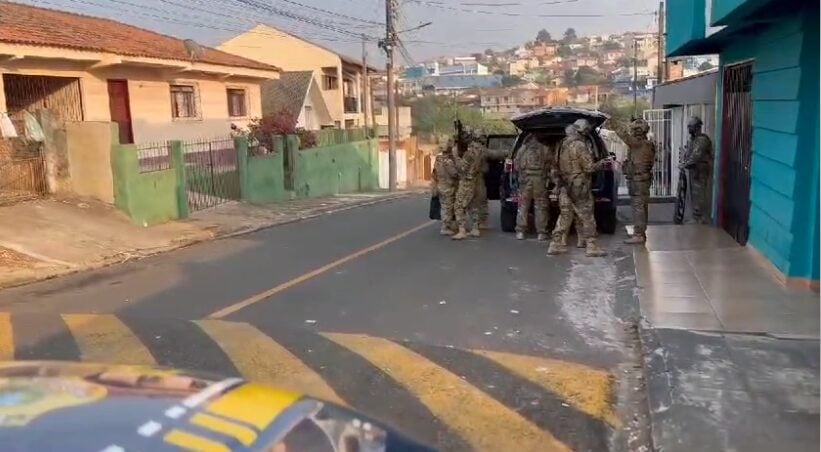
291, 148
241, 146
178, 160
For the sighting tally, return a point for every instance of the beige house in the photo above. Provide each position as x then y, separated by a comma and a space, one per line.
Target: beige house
153, 86
341, 77
298, 94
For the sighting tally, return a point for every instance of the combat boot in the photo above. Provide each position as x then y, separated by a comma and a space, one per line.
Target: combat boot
636, 239
446, 231
520, 236
593, 249
541, 237
556, 247
460, 235
475, 231
483, 225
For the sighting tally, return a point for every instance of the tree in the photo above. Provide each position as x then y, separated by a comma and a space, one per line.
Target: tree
569, 77
586, 75
511, 80
529, 45
624, 62
570, 36
478, 56
489, 52
705, 66
611, 45
564, 51
621, 108
499, 72
543, 36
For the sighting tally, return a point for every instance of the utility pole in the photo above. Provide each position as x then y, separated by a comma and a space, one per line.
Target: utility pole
635, 75
388, 44
661, 74
364, 105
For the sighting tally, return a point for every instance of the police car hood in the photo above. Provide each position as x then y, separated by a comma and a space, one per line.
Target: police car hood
555, 119
97, 407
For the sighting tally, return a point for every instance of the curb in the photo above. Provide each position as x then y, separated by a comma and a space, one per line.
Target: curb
142, 254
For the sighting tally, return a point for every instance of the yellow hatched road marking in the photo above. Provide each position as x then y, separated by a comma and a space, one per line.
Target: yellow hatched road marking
104, 338
268, 403
261, 359
242, 433
6, 338
588, 389
190, 441
479, 419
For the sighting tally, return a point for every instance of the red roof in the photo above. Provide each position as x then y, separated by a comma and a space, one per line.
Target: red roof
30, 25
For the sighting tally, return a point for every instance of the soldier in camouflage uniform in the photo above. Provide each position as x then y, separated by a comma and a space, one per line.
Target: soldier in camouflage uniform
445, 182
533, 165
575, 168
638, 170
698, 160
469, 167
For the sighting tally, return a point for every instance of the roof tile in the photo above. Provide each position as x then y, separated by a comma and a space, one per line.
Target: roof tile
31, 25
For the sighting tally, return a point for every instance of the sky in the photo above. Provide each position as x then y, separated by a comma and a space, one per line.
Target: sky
458, 27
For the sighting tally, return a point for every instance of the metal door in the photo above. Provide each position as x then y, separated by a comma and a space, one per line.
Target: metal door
210, 172
736, 151
664, 168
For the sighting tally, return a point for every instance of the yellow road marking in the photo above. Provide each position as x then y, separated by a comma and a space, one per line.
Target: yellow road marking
589, 390
104, 338
267, 403
190, 441
313, 273
259, 358
482, 421
242, 433
6, 338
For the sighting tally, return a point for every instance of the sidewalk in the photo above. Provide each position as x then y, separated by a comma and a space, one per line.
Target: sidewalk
45, 238
731, 355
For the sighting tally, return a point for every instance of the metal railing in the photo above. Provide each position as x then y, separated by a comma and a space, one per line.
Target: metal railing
22, 179
154, 156
211, 172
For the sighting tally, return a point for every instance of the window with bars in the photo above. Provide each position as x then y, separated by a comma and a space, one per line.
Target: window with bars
184, 102
237, 107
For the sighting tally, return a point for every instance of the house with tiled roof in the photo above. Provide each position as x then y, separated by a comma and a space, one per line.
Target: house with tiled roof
342, 79
155, 87
297, 94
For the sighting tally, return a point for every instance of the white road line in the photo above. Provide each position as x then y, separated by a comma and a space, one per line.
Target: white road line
207, 393
175, 412
149, 428
113, 448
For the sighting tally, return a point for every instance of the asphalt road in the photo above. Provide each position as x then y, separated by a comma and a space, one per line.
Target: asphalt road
484, 344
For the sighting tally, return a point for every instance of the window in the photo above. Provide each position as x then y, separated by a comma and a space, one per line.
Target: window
184, 102
330, 82
236, 103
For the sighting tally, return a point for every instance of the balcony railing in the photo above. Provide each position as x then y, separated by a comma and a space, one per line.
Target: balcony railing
351, 104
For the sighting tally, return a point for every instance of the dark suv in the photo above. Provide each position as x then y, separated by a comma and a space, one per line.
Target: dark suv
549, 124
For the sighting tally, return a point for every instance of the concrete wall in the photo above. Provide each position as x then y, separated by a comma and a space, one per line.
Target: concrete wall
150, 97
266, 178
148, 198
343, 168
785, 184
271, 46
89, 159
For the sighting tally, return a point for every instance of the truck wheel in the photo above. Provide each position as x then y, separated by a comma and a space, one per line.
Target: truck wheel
508, 214
606, 221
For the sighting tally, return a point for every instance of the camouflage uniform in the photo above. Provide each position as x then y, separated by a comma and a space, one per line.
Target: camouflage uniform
445, 181
698, 160
533, 164
575, 167
638, 170
469, 167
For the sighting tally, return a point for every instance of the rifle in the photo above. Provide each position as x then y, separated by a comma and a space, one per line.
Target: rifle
681, 197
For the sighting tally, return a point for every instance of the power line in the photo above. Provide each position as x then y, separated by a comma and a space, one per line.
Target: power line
335, 14
511, 14
177, 21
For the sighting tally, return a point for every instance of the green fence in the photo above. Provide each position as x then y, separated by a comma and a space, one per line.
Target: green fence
271, 171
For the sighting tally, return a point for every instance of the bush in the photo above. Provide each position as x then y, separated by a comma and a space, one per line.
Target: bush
281, 123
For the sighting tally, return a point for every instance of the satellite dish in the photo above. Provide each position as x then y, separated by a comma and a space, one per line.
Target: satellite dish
193, 49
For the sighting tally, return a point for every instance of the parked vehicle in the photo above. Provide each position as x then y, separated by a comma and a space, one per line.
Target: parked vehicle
549, 124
